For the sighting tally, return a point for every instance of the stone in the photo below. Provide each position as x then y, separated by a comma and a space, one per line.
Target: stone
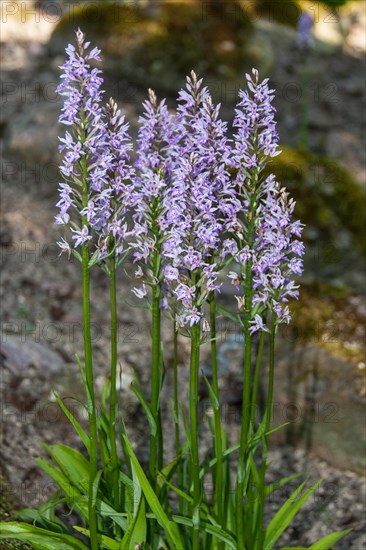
21, 353
33, 134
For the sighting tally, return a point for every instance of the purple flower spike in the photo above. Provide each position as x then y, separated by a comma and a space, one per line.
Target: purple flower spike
265, 238
305, 27
256, 138
96, 155
201, 199
84, 161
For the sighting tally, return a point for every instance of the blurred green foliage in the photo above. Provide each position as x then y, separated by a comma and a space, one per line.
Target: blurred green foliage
161, 49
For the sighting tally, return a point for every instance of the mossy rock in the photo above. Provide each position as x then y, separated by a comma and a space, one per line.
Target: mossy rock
159, 48
286, 12
113, 27
329, 200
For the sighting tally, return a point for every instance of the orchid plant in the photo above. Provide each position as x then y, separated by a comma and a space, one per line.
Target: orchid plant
191, 206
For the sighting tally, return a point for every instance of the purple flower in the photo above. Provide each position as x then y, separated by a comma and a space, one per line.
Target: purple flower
201, 197
257, 324
256, 138
193, 316
140, 292
266, 237
83, 145
305, 27
235, 279
171, 273
82, 236
114, 198
65, 247
96, 154
148, 191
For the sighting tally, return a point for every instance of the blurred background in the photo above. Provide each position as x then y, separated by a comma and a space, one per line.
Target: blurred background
316, 63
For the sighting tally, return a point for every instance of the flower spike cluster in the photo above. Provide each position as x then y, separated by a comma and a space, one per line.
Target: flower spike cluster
200, 200
151, 185
117, 189
95, 164
195, 200
265, 241
256, 137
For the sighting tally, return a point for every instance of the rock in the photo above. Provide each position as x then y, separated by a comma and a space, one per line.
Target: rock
21, 353
315, 394
329, 201
33, 134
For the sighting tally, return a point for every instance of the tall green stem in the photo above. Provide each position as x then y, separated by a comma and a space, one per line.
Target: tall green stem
113, 382
176, 409
90, 398
92, 417
246, 409
175, 391
155, 458
258, 364
267, 425
219, 487
193, 420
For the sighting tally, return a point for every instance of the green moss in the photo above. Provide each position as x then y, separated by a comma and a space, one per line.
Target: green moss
285, 12
162, 48
330, 320
329, 199
114, 26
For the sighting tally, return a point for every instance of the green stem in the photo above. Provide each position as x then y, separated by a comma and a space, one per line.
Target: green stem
175, 390
176, 410
267, 425
246, 408
113, 382
88, 354
258, 364
93, 468
193, 419
155, 459
219, 485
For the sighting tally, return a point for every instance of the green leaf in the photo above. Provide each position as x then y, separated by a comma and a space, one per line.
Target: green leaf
272, 487
327, 542
106, 511
167, 472
122, 432
83, 436
71, 463
170, 527
76, 254
213, 398
94, 259
286, 513
73, 496
138, 392
41, 539
104, 541
178, 491
218, 532
212, 462
95, 487
232, 316
136, 532
44, 517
